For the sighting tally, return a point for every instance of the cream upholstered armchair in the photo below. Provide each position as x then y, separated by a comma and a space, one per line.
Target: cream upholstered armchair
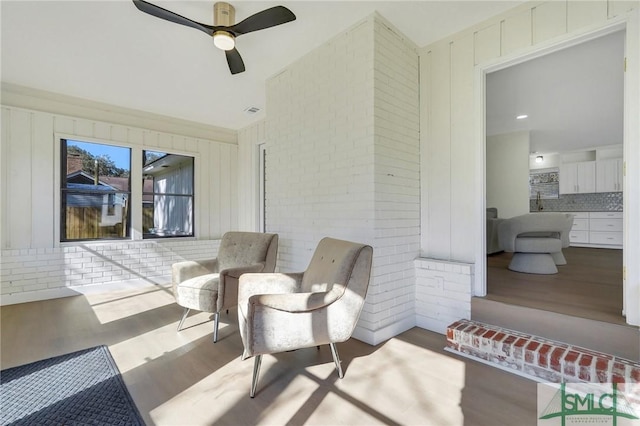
536, 241
284, 311
211, 285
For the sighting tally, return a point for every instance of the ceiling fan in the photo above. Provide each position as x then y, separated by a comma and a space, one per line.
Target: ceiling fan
224, 31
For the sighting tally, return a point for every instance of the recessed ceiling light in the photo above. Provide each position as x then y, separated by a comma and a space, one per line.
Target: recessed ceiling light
521, 117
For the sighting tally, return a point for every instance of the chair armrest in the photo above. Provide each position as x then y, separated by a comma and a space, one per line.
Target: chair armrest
297, 302
182, 271
268, 283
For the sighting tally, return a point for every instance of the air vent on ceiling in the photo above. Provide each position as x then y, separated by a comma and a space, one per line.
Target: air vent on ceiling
252, 110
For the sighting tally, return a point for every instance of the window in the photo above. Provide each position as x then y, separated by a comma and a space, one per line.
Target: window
94, 191
167, 195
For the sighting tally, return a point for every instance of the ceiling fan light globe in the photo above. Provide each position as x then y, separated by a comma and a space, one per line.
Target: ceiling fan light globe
224, 40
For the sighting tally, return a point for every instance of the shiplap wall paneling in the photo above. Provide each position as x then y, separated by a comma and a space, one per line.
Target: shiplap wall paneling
19, 182
150, 140
229, 198
4, 178
249, 139
119, 134
135, 137
516, 32
165, 142
84, 128
102, 131
222, 198
462, 158
582, 14
63, 125
486, 44
42, 215
620, 7
438, 168
207, 186
549, 20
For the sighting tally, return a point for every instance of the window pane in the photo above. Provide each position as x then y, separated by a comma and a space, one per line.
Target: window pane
95, 191
95, 215
167, 199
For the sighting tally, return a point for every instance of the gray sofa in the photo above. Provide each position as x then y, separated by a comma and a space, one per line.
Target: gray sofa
493, 222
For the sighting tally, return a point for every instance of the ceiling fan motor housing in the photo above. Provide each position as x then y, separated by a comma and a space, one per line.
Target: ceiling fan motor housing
224, 14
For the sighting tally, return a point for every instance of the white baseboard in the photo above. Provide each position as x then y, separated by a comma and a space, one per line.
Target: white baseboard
374, 337
56, 293
35, 296
431, 324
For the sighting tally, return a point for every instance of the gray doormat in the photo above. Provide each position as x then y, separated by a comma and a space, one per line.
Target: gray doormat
80, 388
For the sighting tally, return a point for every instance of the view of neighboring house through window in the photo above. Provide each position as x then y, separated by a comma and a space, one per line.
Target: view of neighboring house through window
95, 191
167, 195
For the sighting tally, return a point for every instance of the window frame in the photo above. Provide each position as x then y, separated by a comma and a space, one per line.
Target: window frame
135, 200
192, 196
64, 191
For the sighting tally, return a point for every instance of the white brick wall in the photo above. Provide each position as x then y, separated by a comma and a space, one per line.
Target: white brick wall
343, 161
319, 162
35, 274
390, 305
443, 293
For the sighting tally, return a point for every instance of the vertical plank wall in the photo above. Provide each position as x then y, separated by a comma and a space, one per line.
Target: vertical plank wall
249, 140
450, 152
35, 262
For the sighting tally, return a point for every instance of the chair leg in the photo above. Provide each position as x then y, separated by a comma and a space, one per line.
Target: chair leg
216, 321
336, 359
184, 317
256, 372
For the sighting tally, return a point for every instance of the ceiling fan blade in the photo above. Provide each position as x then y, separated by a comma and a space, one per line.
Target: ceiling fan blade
167, 15
236, 64
266, 19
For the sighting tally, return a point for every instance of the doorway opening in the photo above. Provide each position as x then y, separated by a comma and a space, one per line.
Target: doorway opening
545, 116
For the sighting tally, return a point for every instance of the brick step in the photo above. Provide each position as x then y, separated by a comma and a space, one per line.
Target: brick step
539, 358
621, 340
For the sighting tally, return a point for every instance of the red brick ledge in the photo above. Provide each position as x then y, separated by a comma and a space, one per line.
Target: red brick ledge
541, 358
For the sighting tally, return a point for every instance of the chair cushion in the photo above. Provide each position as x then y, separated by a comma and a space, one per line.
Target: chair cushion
199, 293
538, 245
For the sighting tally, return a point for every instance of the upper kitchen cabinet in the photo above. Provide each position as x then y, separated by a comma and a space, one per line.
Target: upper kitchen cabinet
609, 169
578, 172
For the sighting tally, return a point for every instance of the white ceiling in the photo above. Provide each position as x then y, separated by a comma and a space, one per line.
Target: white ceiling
110, 52
573, 97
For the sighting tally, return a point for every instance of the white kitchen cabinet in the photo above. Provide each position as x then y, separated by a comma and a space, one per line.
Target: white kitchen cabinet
578, 177
605, 229
597, 229
580, 231
609, 175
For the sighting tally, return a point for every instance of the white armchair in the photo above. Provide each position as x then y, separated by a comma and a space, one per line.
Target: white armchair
284, 311
537, 240
211, 285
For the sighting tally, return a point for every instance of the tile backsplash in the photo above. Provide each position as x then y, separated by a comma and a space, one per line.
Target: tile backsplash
595, 202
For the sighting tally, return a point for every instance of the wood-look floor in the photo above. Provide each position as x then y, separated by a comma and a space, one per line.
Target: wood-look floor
185, 379
588, 286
